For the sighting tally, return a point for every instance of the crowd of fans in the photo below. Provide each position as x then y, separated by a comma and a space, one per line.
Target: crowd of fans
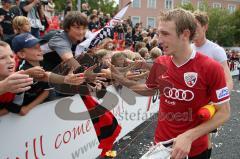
58, 68
21, 25
233, 59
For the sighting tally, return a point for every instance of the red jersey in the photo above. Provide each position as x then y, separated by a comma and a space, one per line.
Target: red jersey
196, 83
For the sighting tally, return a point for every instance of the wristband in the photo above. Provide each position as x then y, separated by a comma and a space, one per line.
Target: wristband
81, 75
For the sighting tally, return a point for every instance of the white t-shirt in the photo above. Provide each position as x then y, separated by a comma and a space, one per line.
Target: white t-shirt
212, 50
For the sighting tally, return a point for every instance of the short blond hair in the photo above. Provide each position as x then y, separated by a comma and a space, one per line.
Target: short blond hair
137, 56
143, 51
183, 20
201, 17
154, 43
145, 40
155, 52
101, 53
117, 55
18, 22
139, 45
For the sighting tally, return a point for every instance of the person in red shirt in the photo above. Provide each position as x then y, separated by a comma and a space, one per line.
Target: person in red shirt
11, 82
187, 80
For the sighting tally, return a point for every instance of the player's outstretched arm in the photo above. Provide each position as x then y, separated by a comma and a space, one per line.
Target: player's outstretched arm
139, 88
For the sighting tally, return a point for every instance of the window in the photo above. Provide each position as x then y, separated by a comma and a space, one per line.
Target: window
151, 21
136, 4
216, 5
201, 5
231, 8
135, 20
151, 3
169, 4
184, 2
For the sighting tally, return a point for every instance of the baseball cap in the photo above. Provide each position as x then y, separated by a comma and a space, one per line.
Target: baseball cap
24, 40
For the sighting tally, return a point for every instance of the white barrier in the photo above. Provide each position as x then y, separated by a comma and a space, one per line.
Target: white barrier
43, 135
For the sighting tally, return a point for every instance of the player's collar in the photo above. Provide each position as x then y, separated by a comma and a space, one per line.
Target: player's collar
193, 55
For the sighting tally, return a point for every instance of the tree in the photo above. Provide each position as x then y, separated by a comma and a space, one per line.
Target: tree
106, 6
236, 20
60, 4
188, 6
221, 29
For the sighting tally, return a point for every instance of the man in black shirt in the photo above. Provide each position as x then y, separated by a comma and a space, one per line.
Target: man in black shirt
6, 18
34, 11
16, 10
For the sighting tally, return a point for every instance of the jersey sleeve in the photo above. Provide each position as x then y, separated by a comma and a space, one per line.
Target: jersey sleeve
217, 89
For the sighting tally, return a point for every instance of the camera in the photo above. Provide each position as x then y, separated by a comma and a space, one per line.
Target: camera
45, 2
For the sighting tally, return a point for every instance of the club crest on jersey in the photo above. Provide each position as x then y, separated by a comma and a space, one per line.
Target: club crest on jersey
190, 78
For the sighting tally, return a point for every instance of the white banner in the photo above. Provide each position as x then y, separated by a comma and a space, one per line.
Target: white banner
41, 134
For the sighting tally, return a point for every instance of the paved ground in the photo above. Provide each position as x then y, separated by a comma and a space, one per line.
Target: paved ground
226, 142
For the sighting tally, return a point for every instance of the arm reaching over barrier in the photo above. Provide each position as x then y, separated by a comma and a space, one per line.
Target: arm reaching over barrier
133, 85
15, 83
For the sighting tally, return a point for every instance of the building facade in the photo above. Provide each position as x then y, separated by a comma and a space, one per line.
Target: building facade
147, 11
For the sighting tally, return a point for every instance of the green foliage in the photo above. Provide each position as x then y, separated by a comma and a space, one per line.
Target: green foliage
221, 27
106, 6
188, 6
60, 5
236, 20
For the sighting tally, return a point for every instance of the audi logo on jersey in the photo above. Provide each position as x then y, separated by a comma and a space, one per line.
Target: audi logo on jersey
178, 94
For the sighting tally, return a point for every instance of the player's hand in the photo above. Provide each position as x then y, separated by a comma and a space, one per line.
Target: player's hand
114, 73
17, 82
74, 79
181, 146
106, 73
98, 85
36, 72
90, 75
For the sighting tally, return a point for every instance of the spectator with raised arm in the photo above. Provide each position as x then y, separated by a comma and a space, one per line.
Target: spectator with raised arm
33, 10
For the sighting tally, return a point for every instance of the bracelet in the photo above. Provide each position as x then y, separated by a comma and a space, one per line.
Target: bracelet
81, 75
